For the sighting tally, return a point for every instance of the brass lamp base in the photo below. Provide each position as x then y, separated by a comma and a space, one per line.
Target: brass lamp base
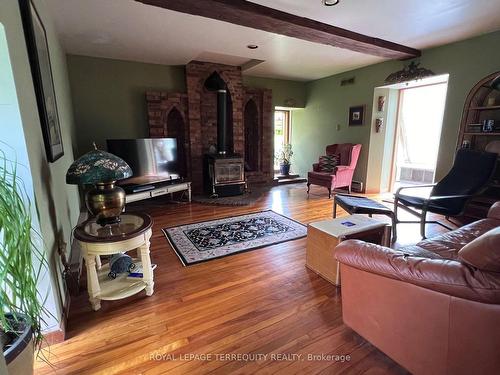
106, 202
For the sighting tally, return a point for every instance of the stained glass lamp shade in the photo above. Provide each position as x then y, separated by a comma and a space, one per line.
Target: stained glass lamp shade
101, 169
96, 167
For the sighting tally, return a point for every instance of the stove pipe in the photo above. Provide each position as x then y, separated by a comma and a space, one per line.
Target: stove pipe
216, 83
221, 122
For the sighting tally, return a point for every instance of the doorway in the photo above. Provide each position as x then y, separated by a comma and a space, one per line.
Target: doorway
418, 133
282, 133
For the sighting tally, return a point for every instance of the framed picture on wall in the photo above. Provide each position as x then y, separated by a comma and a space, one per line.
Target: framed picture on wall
356, 115
41, 70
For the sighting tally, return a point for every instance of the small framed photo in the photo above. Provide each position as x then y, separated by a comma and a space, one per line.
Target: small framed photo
356, 115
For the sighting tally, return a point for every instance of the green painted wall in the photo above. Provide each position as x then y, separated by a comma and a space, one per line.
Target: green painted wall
379, 169
108, 95
328, 103
285, 93
57, 204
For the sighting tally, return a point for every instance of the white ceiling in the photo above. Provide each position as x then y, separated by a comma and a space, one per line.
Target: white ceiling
128, 30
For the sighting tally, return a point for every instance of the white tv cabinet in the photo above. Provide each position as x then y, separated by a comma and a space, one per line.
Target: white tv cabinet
161, 190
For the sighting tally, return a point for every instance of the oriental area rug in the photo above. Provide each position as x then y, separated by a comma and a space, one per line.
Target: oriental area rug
207, 240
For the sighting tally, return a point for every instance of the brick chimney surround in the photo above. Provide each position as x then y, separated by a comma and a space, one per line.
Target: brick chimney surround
191, 117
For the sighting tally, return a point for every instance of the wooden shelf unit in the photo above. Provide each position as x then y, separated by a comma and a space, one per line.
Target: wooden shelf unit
476, 110
485, 108
483, 134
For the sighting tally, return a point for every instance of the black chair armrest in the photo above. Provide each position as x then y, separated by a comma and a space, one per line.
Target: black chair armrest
428, 201
397, 194
436, 197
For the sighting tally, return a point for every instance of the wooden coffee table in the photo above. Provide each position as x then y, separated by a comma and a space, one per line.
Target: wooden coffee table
324, 236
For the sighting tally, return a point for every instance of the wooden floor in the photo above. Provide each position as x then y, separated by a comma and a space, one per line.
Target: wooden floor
262, 302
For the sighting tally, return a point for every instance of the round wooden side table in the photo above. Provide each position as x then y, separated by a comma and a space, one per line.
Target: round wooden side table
131, 233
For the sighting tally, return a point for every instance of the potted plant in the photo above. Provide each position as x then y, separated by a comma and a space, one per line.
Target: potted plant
284, 158
21, 265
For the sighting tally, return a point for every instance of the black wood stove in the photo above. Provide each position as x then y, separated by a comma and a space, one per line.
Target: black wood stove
224, 172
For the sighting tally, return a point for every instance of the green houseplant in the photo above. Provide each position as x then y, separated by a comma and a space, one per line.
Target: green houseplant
284, 157
21, 265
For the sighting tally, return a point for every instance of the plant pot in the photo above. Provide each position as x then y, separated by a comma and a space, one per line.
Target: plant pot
285, 169
20, 355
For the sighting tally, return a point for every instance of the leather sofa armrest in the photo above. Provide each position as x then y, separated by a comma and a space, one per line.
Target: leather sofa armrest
441, 275
494, 212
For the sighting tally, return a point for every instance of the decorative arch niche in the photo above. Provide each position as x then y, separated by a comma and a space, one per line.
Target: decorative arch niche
175, 127
252, 133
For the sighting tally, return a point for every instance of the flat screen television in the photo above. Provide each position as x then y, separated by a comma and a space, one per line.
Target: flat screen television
153, 160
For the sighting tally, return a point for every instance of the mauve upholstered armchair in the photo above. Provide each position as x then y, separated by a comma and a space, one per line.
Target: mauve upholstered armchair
341, 177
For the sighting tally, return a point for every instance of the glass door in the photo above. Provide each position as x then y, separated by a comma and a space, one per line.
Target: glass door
281, 132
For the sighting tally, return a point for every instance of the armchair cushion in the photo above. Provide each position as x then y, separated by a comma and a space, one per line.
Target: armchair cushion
483, 252
470, 172
441, 275
418, 203
317, 177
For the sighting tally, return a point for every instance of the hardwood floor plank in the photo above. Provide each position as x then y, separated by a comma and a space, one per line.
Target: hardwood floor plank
261, 302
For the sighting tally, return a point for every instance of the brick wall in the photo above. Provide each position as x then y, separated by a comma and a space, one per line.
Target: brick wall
159, 106
199, 109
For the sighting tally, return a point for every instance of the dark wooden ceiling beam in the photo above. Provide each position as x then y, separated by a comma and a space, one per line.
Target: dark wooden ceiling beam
245, 13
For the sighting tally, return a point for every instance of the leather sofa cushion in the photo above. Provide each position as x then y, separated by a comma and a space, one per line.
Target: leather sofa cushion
439, 263
416, 251
448, 245
442, 275
494, 212
483, 252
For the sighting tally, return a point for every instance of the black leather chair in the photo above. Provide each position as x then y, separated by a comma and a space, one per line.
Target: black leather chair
471, 171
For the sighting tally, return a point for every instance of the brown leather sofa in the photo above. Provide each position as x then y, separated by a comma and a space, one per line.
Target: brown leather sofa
433, 307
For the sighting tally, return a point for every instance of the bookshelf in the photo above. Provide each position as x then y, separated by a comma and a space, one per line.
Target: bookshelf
482, 103
485, 108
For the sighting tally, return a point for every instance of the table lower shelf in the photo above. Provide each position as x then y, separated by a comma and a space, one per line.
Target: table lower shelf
121, 287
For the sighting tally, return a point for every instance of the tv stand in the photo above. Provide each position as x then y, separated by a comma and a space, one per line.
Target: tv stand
156, 191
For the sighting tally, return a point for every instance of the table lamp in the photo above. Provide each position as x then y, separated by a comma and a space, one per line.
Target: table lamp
104, 200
